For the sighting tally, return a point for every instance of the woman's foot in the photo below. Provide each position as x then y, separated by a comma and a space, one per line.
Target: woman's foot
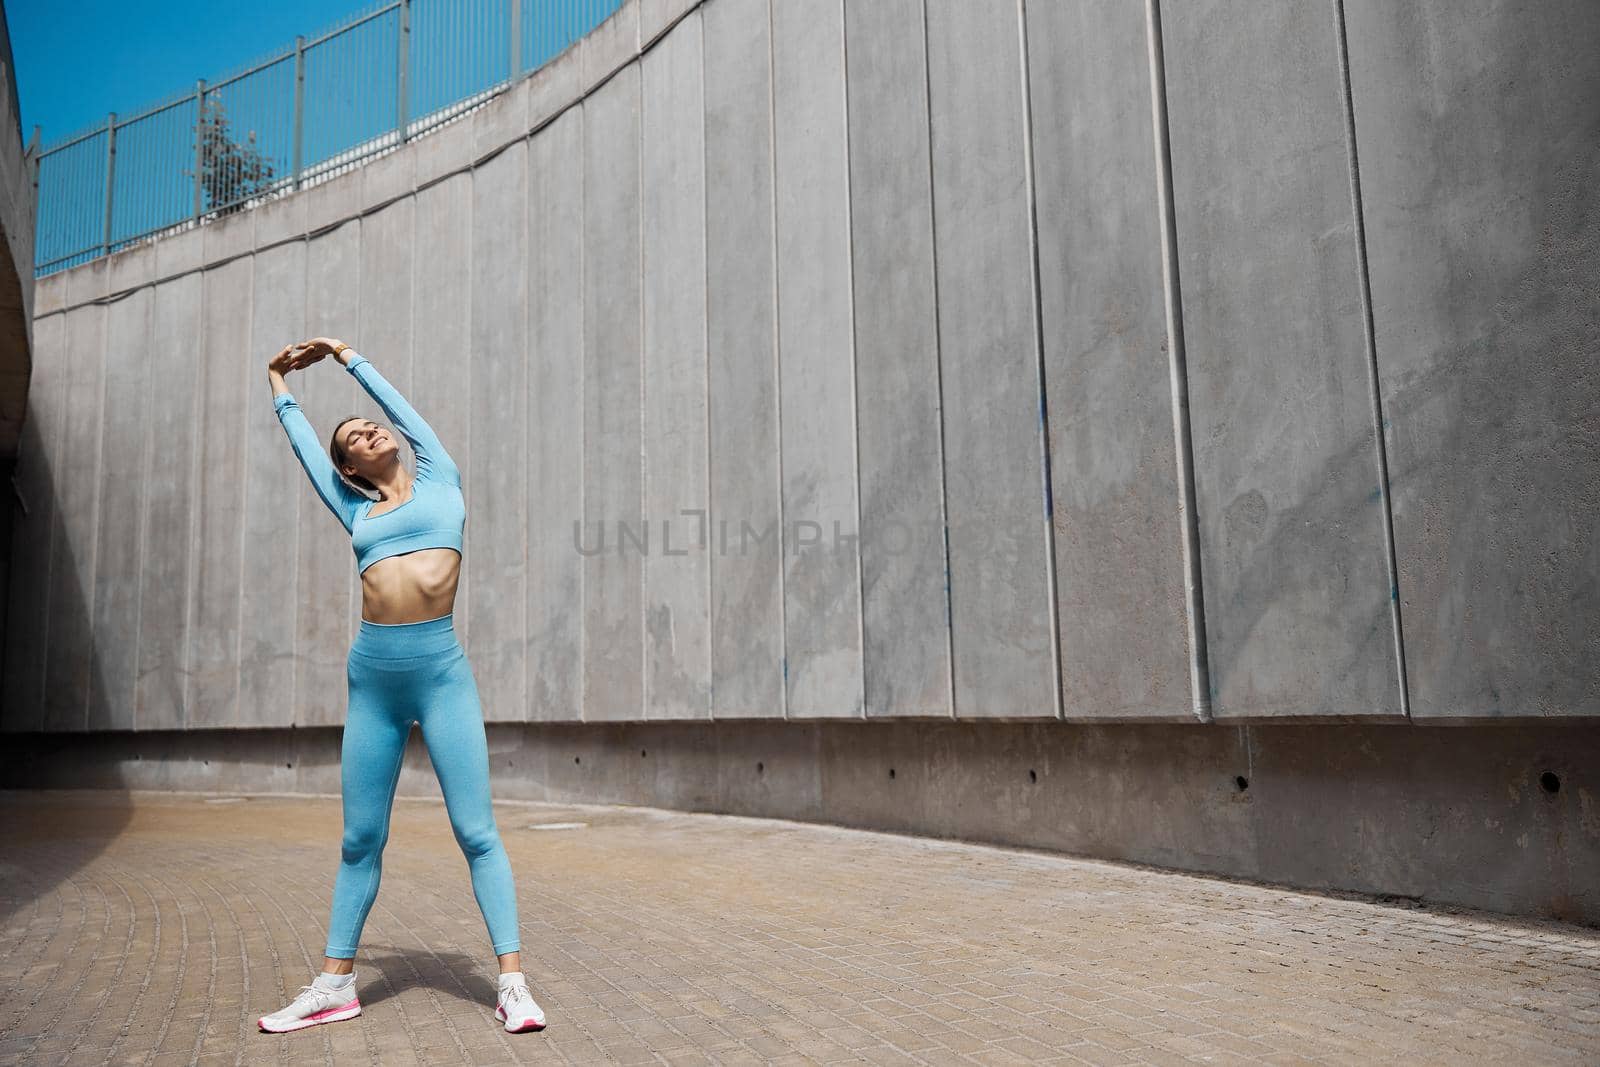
516, 1007
319, 1002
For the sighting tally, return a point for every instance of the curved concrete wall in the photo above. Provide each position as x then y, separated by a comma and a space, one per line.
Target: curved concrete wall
1098, 361
18, 166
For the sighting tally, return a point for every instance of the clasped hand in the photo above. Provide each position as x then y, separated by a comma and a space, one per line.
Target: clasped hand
303, 354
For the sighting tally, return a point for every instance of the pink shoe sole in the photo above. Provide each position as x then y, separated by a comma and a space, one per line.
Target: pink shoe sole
499, 1013
326, 1015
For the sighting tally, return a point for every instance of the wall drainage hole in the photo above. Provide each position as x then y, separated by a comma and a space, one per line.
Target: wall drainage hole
891, 772
1033, 776
760, 767
641, 753
1550, 782
1242, 782
574, 759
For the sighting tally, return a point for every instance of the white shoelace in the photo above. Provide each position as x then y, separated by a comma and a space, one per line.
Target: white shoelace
314, 990
511, 994
306, 991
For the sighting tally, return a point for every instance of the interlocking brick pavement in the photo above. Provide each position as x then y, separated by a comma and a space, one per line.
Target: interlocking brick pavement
154, 928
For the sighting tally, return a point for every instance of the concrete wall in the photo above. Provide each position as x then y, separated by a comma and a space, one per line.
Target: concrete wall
1094, 363
16, 311
1150, 367
18, 209
17, 223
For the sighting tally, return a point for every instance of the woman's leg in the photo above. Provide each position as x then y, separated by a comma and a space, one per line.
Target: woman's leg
371, 753
452, 726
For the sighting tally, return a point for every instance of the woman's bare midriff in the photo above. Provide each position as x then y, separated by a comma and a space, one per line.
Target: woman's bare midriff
413, 587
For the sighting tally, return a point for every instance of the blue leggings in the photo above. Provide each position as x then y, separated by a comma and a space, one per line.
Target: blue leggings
400, 673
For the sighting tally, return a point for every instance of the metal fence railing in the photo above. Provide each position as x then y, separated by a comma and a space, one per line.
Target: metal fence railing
295, 118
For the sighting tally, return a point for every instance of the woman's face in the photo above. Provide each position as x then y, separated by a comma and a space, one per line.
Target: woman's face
367, 446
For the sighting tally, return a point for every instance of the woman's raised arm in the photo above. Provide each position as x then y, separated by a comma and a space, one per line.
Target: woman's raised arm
343, 500
433, 462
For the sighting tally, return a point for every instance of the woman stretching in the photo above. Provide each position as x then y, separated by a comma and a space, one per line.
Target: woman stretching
405, 666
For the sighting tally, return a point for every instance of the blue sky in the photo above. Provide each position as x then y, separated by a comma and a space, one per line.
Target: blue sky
80, 59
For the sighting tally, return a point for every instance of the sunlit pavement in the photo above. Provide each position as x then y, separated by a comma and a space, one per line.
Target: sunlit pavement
155, 928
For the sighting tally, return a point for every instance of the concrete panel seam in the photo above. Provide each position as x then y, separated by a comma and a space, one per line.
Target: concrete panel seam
145, 452
637, 51
1199, 666
94, 522
1030, 175
109, 298
294, 566
645, 44
194, 519
777, 348
526, 357
244, 490
938, 366
311, 235
582, 120
1369, 336
639, 245
855, 404
705, 341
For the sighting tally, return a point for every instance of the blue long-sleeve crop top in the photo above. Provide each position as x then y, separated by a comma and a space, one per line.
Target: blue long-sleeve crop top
436, 514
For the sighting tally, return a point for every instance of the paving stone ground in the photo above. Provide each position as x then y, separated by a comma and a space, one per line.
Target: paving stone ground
155, 928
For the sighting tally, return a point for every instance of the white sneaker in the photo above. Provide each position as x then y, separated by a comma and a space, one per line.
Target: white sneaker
313, 1005
517, 1008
